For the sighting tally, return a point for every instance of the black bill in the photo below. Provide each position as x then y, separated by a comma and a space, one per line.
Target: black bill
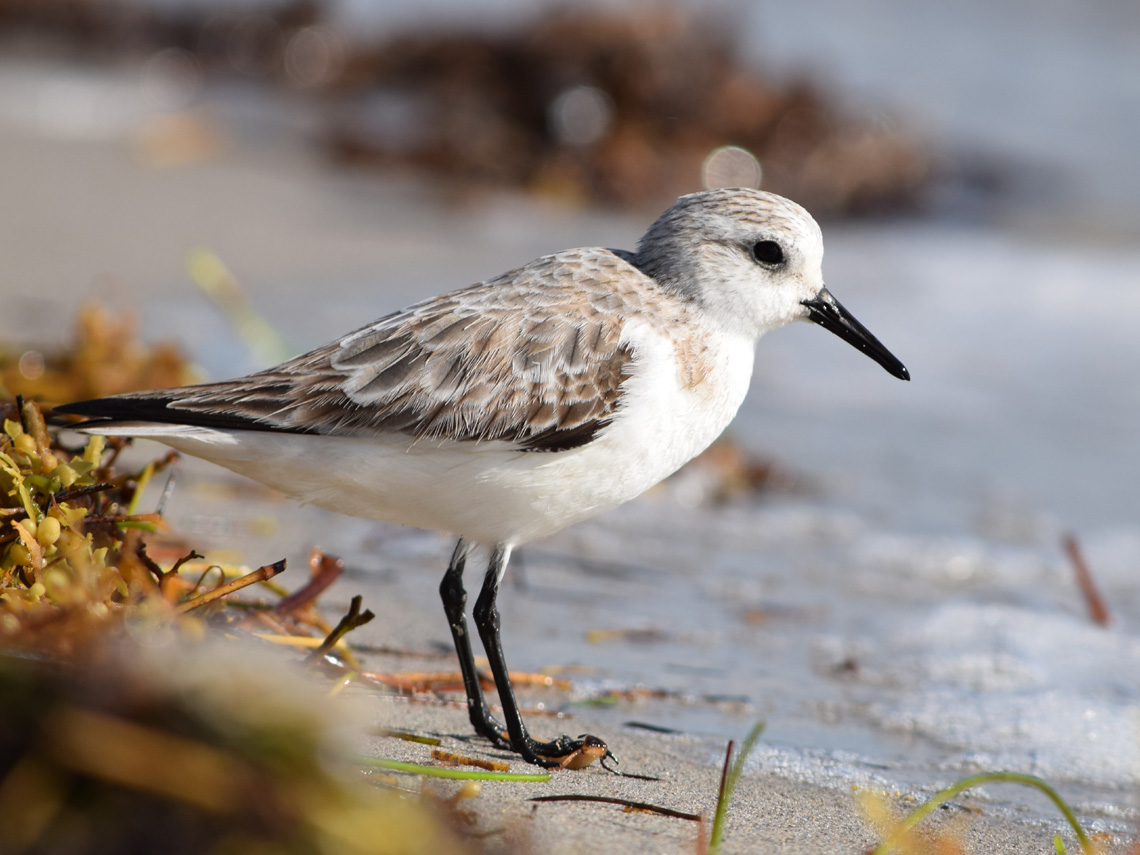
829, 313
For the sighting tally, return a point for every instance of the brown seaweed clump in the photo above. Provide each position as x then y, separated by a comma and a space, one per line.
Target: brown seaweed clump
72, 559
618, 108
627, 108
105, 357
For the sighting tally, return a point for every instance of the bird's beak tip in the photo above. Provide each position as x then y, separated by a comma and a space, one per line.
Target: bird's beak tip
830, 314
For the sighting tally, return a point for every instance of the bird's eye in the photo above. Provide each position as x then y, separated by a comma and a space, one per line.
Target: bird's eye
768, 252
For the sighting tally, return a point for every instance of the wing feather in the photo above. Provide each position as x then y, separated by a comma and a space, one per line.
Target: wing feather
534, 357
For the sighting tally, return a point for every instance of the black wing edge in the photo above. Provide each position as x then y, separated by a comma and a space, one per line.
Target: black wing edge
107, 412
564, 439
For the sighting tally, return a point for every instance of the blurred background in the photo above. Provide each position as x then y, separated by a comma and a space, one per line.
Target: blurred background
974, 168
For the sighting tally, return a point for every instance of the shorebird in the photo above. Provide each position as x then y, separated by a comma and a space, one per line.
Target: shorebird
508, 410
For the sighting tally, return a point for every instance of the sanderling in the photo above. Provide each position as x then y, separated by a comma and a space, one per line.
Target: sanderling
508, 410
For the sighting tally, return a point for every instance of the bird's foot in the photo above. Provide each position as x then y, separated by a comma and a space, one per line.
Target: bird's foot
563, 752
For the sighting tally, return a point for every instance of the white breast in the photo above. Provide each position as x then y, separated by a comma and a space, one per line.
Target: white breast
668, 415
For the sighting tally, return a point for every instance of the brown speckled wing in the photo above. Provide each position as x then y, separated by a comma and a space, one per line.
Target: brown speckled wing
533, 357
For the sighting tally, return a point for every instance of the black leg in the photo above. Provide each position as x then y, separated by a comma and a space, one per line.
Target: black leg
486, 615
454, 598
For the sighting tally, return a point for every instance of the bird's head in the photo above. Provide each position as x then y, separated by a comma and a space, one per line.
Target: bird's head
753, 261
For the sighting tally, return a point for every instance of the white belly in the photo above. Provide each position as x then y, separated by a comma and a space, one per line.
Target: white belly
489, 492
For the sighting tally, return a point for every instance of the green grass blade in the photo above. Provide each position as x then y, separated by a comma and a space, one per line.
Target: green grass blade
457, 774
140, 485
730, 785
139, 524
944, 795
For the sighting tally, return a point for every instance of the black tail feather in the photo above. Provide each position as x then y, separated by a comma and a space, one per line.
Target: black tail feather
107, 412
